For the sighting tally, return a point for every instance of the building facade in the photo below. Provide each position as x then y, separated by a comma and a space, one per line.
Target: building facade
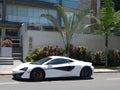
15, 13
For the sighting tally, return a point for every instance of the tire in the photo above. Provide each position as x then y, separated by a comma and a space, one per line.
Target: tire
86, 73
37, 75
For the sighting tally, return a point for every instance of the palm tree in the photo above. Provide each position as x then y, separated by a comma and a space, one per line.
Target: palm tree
71, 24
109, 20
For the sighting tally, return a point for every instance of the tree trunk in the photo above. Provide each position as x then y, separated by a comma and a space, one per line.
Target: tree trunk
106, 50
106, 56
67, 49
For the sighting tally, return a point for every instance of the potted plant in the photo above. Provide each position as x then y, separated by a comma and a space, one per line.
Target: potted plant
6, 50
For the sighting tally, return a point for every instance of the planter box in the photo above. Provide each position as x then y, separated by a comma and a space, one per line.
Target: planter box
6, 51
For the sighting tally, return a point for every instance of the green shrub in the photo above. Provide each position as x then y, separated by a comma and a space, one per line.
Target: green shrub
29, 58
98, 58
80, 53
77, 52
40, 53
114, 57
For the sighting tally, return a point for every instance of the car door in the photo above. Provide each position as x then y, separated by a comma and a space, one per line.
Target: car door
58, 68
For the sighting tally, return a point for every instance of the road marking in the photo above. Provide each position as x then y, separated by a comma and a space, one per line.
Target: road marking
113, 78
9, 83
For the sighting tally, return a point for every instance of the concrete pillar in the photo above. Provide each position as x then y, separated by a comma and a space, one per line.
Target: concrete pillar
95, 7
4, 10
3, 33
84, 4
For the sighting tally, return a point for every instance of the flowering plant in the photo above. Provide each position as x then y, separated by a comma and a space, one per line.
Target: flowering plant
7, 43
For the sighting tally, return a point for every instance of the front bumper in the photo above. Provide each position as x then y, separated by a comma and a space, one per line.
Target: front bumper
20, 74
17, 74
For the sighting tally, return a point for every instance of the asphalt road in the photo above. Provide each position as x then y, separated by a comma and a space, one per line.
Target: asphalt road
100, 81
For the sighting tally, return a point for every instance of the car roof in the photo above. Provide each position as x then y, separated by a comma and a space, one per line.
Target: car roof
54, 57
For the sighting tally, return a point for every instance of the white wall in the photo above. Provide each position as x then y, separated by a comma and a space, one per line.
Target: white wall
45, 38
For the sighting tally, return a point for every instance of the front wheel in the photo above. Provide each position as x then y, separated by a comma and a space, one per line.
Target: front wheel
37, 75
85, 73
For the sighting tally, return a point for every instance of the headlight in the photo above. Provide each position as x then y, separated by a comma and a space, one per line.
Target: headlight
24, 69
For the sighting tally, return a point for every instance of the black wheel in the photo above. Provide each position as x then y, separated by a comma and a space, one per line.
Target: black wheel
85, 73
37, 75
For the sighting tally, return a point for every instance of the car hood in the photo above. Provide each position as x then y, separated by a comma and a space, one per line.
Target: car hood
22, 66
27, 65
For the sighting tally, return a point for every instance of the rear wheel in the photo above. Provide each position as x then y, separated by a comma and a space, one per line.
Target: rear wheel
86, 73
37, 75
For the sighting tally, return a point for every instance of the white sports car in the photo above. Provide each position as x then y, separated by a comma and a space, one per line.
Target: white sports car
53, 67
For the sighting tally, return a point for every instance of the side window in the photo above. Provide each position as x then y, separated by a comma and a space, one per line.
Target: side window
58, 61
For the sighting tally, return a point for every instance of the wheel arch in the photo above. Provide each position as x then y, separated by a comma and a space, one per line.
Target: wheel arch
37, 68
84, 68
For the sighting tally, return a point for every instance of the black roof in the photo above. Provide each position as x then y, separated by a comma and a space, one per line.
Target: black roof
32, 2
10, 23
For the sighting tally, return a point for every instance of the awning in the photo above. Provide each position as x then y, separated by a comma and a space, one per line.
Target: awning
33, 2
9, 24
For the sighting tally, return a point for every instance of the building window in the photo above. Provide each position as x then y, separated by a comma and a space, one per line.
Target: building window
71, 3
30, 15
68, 3
51, 1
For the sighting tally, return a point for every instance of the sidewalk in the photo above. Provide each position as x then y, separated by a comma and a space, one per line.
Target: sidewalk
7, 69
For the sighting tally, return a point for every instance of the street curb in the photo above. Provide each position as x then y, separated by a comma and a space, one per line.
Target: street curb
95, 71
6, 73
107, 71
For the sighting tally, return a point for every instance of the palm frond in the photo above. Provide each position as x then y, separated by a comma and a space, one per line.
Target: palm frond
55, 22
63, 16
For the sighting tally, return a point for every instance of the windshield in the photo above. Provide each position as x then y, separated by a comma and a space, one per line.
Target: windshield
41, 61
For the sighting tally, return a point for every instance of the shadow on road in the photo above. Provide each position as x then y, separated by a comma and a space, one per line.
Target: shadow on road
55, 79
